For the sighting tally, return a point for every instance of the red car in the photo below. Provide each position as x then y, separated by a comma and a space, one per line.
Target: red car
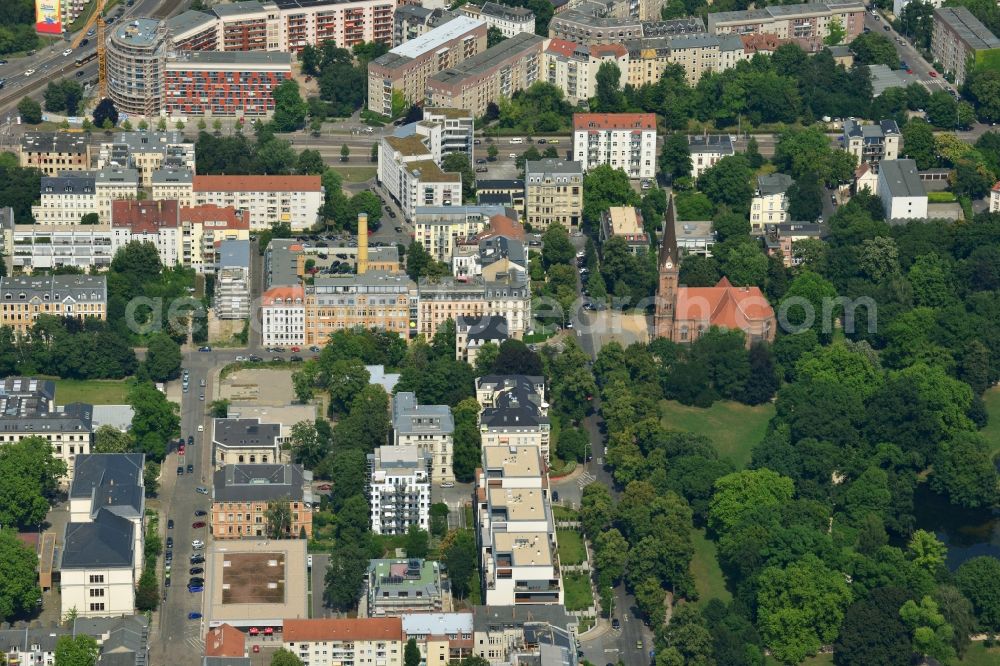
933, 74
323, 486
198, 525
296, 350
180, 450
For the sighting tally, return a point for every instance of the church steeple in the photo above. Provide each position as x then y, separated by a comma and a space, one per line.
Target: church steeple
669, 270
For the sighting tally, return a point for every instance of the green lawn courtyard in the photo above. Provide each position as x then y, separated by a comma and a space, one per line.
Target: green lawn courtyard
578, 595
733, 427
93, 391
571, 549
708, 578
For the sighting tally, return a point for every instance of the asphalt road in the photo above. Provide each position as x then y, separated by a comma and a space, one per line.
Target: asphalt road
921, 68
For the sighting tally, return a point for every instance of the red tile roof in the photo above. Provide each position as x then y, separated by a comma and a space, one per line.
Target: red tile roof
225, 641
723, 305
145, 217
996, 186
602, 121
604, 50
364, 629
256, 183
561, 47
760, 41
501, 225
216, 216
283, 294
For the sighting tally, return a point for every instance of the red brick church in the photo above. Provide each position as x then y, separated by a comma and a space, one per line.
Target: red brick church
684, 313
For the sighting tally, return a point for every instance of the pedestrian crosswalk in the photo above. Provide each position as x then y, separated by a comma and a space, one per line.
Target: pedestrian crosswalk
585, 478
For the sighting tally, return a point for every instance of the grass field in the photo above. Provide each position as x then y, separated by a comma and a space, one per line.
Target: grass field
734, 428
708, 578
571, 549
992, 430
979, 655
354, 174
563, 513
94, 391
578, 596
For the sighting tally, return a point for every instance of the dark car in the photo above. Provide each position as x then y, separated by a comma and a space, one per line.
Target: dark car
190, 469
80, 73
197, 559
392, 215
206, 348
199, 512
295, 359
196, 570
555, 495
254, 358
169, 556
166, 582
480, 161
196, 581
170, 524
541, 141
616, 624
84, 42
198, 525
190, 439
170, 542
398, 230
180, 470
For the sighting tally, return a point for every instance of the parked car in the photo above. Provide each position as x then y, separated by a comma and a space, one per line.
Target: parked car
197, 559
241, 358
196, 581
190, 440
195, 570
180, 450
195, 588
180, 470
201, 428
197, 543
447, 484
206, 348
616, 624
170, 524
481, 161
199, 512
481, 169
170, 542
194, 616
201, 490
314, 349
190, 469
198, 525
295, 350
295, 359
932, 74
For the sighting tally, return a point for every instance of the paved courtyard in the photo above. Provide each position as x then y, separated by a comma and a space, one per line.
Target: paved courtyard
261, 386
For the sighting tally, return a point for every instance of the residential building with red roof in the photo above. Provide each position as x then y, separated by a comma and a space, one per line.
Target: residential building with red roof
294, 200
995, 198
625, 141
225, 641
283, 316
573, 67
683, 314
205, 227
329, 642
150, 221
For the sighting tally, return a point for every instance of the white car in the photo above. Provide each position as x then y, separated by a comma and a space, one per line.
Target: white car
201, 428
67, 52
241, 358
197, 543
447, 484
29, 72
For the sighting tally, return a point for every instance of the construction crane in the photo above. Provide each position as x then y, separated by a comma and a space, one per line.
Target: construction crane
96, 18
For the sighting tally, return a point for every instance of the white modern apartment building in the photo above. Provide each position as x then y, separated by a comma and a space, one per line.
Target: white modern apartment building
283, 316
399, 489
509, 21
903, 194
102, 547
30, 247
429, 428
173, 183
64, 199
409, 172
232, 282
295, 200
372, 641
625, 141
512, 466
450, 131
770, 203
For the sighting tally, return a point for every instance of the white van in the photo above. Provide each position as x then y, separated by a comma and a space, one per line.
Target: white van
517, 140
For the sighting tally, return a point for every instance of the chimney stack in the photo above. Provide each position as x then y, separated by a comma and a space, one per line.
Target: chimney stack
362, 243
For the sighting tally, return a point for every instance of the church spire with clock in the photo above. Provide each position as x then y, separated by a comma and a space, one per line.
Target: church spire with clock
669, 270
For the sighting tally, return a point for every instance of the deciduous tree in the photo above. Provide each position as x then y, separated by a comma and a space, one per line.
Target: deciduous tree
78, 650
19, 592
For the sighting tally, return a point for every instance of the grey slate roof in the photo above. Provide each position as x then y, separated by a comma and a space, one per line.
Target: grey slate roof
901, 177
104, 543
710, 143
774, 183
113, 480
27, 404
515, 409
7, 218
488, 328
496, 248
57, 288
508, 13
261, 483
54, 142
493, 199
500, 184
245, 432
68, 183
531, 383
409, 418
234, 254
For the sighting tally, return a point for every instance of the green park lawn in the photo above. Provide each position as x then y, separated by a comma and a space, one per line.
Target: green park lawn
571, 549
578, 595
979, 655
354, 174
708, 578
992, 430
94, 391
733, 427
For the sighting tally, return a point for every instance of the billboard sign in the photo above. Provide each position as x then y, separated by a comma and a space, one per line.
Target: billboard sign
47, 19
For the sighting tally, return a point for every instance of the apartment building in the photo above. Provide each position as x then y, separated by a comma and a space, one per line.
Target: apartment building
242, 495
65, 199
296, 200
573, 67
471, 333
147, 152
102, 545
960, 38
119, 639
511, 467
553, 192
589, 23
244, 441
52, 153
808, 23
625, 222
329, 642
706, 151
780, 239
489, 387
398, 587
770, 203
429, 428
371, 300
194, 31
524, 634
450, 298
113, 184
156, 222
30, 247
902, 192
440, 228
516, 415
283, 316
78, 297
625, 141
406, 68
232, 281
453, 129
411, 21
871, 144
173, 183
442, 637
203, 230
399, 489
995, 198
509, 21
510, 192
216, 83
486, 77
